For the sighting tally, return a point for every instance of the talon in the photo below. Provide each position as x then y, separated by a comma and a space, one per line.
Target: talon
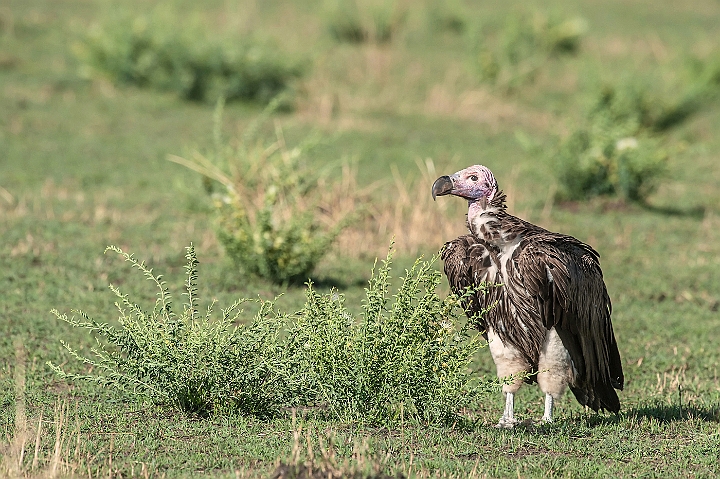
506, 423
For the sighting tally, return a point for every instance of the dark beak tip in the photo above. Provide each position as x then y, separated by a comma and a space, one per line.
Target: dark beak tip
442, 186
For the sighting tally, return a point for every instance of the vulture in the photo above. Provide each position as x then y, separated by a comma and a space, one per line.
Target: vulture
546, 308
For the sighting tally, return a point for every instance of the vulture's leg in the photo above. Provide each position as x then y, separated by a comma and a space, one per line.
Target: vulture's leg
508, 419
547, 417
555, 371
508, 361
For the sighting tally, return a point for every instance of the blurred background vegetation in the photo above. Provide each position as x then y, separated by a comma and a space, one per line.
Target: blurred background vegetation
599, 120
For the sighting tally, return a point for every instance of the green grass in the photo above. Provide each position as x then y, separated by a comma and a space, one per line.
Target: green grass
83, 165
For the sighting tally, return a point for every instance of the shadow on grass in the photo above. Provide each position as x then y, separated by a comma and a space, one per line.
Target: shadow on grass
663, 413
670, 413
605, 205
697, 212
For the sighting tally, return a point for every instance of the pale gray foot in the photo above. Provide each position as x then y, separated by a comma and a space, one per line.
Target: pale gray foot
508, 421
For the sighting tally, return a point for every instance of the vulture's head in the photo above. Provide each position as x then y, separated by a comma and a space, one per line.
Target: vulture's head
473, 183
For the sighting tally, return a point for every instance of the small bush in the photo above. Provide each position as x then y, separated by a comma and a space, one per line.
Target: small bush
187, 360
154, 52
277, 216
405, 359
619, 149
358, 22
512, 55
615, 153
595, 163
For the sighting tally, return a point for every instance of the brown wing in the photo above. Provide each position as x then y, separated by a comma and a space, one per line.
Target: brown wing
565, 288
467, 263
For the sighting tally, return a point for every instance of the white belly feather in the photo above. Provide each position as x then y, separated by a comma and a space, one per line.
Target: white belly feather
556, 370
508, 360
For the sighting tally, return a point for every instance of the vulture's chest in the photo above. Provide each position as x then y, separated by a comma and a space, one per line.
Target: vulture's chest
505, 244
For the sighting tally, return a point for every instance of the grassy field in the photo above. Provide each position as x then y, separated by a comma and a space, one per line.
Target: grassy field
83, 165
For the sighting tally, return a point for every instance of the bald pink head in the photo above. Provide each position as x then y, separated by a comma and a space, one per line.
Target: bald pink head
473, 183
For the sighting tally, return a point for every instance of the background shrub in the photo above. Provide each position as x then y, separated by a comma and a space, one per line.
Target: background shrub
610, 155
601, 161
512, 55
617, 151
375, 21
156, 52
276, 216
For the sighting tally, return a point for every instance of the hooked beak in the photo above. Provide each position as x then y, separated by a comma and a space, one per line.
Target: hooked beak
442, 186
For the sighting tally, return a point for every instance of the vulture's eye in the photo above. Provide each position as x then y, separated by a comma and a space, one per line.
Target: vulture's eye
474, 177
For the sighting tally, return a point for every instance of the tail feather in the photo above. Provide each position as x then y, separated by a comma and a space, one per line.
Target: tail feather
598, 397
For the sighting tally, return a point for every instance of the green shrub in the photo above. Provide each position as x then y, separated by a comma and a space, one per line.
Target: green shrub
406, 359
187, 360
512, 55
358, 22
615, 152
276, 216
620, 149
282, 251
155, 52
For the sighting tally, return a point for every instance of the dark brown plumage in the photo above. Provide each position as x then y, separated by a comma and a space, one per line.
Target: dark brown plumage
545, 282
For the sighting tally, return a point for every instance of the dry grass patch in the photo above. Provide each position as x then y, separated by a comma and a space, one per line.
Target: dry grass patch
483, 106
41, 448
406, 212
58, 202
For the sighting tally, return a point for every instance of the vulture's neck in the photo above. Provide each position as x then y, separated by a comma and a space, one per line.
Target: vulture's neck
485, 220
